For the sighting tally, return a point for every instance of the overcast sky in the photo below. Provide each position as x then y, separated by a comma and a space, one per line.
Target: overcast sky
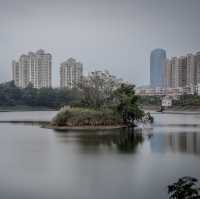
117, 35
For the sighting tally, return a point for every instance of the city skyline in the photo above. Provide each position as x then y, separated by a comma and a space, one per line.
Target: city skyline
103, 34
179, 71
176, 71
36, 68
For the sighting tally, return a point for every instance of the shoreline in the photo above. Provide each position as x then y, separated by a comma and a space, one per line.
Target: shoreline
25, 109
25, 122
173, 110
183, 112
46, 125
83, 128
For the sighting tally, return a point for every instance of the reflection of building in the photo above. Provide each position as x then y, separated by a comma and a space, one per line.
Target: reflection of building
71, 73
176, 142
34, 68
158, 143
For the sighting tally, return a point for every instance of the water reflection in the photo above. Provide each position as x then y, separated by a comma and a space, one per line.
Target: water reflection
38, 163
125, 141
185, 142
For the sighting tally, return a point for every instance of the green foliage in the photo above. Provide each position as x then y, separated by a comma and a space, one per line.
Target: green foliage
127, 103
86, 117
150, 100
97, 89
184, 188
191, 100
105, 101
10, 95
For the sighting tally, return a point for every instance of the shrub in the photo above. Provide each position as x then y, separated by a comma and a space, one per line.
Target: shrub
86, 117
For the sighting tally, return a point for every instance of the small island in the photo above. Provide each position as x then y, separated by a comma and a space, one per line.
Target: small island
105, 103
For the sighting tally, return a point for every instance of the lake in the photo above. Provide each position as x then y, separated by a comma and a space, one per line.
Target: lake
38, 163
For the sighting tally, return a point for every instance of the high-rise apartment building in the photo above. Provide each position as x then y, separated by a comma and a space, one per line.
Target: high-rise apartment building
168, 74
71, 73
197, 64
173, 62
171, 73
191, 70
181, 72
34, 68
15, 73
157, 67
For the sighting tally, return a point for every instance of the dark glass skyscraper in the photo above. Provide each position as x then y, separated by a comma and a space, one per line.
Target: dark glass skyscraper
157, 67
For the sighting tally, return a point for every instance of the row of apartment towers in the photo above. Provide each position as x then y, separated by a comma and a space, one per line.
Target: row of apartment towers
183, 71
36, 68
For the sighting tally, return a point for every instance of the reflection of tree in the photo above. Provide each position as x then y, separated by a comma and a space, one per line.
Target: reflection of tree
128, 141
124, 140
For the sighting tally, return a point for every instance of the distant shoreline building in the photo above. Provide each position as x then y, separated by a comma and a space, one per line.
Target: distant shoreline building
71, 73
34, 68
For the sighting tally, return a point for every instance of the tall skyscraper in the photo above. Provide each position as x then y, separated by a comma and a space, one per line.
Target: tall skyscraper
157, 68
71, 73
34, 68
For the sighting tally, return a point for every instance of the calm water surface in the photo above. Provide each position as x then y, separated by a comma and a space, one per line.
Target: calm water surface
37, 163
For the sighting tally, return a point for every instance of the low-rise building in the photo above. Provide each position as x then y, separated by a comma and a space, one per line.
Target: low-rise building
167, 101
173, 92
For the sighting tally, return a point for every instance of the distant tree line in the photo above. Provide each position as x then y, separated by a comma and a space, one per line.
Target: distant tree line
150, 100
187, 100
10, 95
183, 100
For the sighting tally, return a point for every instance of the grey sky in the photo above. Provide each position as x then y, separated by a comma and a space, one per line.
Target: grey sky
103, 34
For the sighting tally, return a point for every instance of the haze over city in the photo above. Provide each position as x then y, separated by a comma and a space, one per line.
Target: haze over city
112, 34
99, 99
